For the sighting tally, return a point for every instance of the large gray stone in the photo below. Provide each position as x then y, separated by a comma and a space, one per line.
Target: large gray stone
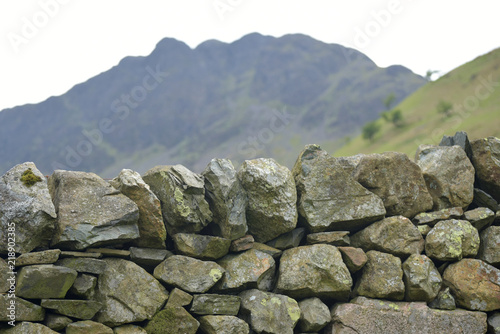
211, 304
269, 313
188, 274
329, 198
449, 175
182, 196
172, 320
44, 281
227, 199
314, 315
18, 309
397, 181
486, 161
489, 250
460, 139
90, 212
227, 324
366, 316
203, 247
381, 277
314, 271
247, 270
422, 279
128, 293
84, 265
451, 240
151, 227
395, 235
27, 215
87, 326
79, 309
272, 198
43, 257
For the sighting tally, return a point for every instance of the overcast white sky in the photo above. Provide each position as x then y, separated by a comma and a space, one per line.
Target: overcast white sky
48, 46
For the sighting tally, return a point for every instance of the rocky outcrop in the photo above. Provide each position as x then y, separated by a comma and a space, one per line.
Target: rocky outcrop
486, 161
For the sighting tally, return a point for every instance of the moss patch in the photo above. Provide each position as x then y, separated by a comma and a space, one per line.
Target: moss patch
29, 178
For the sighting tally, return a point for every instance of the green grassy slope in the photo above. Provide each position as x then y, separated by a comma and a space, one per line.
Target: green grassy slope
474, 91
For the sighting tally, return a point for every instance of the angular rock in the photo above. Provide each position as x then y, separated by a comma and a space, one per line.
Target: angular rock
215, 324
482, 199
449, 175
494, 323
26, 211
489, 250
381, 277
84, 265
188, 274
128, 293
248, 270
87, 326
274, 252
151, 227
422, 279
480, 218
337, 238
172, 320
44, 257
329, 198
242, 244
90, 212
110, 252
65, 254
21, 310
444, 301
4, 275
289, 239
314, 315
148, 257
84, 286
203, 247
354, 258
182, 196
129, 329
226, 198
29, 327
314, 271
56, 322
178, 298
44, 281
397, 181
424, 229
272, 198
431, 218
269, 312
210, 304
452, 240
79, 309
475, 284
366, 316
394, 235
460, 139
486, 161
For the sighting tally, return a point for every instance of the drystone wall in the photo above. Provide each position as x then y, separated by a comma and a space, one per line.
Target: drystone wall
371, 243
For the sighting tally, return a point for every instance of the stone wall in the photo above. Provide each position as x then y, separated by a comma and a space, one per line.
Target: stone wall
364, 244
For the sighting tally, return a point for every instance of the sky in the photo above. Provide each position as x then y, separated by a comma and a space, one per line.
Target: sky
48, 46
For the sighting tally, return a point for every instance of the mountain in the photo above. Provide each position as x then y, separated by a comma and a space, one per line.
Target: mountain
258, 96
472, 92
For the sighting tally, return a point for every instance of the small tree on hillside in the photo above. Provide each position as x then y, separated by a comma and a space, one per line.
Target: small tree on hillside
389, 100
370, 130
445, 108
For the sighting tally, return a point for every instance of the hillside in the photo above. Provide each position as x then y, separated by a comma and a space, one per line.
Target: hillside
258, 96
472, 89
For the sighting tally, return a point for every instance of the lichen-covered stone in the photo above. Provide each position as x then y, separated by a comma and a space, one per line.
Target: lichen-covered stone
43, 257
79, 309
480, 218
421, 277
381, 277
21, 310
289, 239
247, 270
475, 284
56, 322
87, 326
483, 199
394, 235
90, 212
269, 312
212, 304
431, 218
182, 196
148, 257
489, 250
449, 175
354, 258
227, 324
314, 271
274, 252
172, 320
129, 329
84, 286
336, 238
128, 293
397, 181
188, 274
460, 139
452, 240
84, 265
26, 211
314, 315
178, 298
486, 161
272, 198
151, 227
329, 198
242, 244
444, 301
28, 327
203, 247
44, 281
227, 199
4, 276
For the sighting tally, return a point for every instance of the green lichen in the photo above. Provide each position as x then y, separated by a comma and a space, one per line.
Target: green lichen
216, 274
294, 313
394, 306
179, 198
28, 178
